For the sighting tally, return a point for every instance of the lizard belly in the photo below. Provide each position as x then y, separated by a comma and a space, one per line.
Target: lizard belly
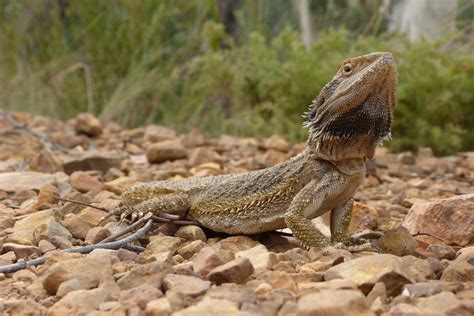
249, 221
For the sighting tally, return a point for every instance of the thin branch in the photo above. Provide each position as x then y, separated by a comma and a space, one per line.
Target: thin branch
125, 230
123, 243
428, 234
85, 204
133, 248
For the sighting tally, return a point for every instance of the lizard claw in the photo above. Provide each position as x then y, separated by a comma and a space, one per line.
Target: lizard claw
124, 215
122, 218
105, 217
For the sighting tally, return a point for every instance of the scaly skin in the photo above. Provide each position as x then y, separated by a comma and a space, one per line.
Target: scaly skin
349, 118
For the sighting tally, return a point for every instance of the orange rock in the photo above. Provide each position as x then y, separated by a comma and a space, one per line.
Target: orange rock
363, 216
83, 182
451, 219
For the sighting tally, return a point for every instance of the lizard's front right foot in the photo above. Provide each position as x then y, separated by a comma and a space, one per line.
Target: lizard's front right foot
367, 246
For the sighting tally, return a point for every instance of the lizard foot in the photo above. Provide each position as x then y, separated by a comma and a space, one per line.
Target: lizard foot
124, 212
370, 246
161, 217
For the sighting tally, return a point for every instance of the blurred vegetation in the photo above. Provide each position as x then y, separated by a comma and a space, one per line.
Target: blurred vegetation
171, 62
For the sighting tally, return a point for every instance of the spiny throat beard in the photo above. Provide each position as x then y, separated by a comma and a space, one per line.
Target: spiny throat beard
353, 114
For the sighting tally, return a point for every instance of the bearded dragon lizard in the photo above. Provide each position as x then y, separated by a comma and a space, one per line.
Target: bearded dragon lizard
351, 115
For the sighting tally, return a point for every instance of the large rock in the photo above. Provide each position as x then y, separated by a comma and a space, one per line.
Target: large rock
161, 248
191, 232
83, 182
24, 276
26, 180
168, 150
235, 271
393, 271
238, 243
336, 284
363, 216
203, 155
397, 241
140, 295
89, 272
76, 225
333, 303
92, 160
24, 228
462, 268
88, 124
210, 307
260, 257
157, 133
151, 273
12, 306
444, 303
46, 161
186, 285
450, 219
206, 260
81, 302
232, 292
158, 307
49, 230
280, 280
97, 234
277, 143
190, 248
21, 251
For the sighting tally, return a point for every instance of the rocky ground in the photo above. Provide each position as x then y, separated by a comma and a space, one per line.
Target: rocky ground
189, 271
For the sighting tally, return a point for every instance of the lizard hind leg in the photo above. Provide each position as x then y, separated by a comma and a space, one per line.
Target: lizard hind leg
117, 210
174, 203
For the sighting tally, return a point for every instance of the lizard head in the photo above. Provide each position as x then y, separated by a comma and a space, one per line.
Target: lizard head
353, 112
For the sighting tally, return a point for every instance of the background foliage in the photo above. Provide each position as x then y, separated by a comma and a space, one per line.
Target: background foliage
172, 62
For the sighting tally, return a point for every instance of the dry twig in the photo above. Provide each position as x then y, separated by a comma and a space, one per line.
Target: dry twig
428, 234
123, 243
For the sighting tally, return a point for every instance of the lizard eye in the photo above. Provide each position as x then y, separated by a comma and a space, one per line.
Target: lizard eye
347, 69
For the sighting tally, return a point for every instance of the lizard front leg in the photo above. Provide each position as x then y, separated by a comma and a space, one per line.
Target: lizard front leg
339, 224
340, 220
302, 228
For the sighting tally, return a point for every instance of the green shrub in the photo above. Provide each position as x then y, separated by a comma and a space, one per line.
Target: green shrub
262, 88
147, 67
